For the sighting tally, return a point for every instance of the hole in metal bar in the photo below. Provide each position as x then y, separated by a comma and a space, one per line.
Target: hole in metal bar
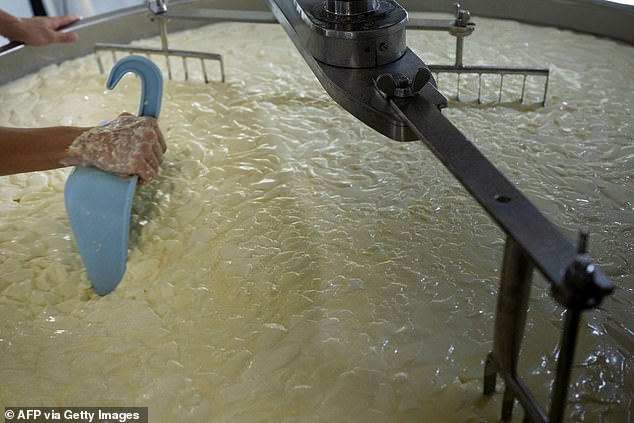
501, 198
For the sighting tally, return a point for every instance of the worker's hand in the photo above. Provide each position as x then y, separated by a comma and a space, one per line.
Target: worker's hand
37, 31
127, 145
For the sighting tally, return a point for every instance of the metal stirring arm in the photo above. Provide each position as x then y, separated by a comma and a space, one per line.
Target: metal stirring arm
532, 241
359, 55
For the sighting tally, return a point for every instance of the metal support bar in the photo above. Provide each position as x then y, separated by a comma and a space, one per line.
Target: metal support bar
543, 243
430, 24
564, 365
510, 317
510, 321
497, 70
249, 16
459, 51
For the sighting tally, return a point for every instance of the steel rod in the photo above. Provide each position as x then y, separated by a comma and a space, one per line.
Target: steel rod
498, 70
142, 50
510, 316
249, 16
459, 50
564, 365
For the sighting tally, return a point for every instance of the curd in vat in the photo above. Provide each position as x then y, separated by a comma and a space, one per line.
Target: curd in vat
289, 264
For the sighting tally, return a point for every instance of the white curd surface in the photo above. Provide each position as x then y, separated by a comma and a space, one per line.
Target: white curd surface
289, 264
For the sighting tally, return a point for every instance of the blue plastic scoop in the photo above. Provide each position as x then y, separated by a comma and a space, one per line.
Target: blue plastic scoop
99, 203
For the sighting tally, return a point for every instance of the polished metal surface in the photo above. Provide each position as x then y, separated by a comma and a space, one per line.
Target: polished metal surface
362, 40
351, 7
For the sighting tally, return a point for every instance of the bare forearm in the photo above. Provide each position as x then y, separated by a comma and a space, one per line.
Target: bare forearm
27, 150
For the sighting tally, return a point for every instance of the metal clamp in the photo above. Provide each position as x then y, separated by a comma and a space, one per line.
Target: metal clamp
400, 85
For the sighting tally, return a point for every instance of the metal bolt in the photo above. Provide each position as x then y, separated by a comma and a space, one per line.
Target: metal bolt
400, 85
401, 81
463, 16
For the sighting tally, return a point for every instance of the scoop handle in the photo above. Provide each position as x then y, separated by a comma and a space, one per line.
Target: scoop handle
151, 82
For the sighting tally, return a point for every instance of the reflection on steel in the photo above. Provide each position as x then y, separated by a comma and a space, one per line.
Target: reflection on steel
461, 27
365, 39
400, 99
219, 15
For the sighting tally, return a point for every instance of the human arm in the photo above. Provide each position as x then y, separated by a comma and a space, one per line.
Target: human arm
128, 145
38, 30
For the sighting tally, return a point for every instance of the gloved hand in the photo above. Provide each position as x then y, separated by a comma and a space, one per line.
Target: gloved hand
127, 145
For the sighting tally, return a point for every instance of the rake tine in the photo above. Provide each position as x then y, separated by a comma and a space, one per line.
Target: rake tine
185, 68
458, 88
222, 70
169, 66
99, 63
523, 89
202, 65
479, 88
545, 90
501, 83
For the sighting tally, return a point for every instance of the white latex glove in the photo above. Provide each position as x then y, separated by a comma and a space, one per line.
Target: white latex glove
127, 145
